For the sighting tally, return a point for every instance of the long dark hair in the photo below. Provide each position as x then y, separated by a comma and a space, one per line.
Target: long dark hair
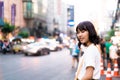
88, 26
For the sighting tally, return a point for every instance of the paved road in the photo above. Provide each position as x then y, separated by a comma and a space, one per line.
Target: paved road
56, 66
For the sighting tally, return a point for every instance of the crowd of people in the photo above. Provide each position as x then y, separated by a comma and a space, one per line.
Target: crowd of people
109, 52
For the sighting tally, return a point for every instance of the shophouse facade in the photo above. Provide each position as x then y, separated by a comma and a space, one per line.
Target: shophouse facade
34, 15
11, 11
21, 13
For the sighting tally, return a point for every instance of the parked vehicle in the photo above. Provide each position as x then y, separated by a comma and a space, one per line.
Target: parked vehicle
52, 44
16, 45
36, 48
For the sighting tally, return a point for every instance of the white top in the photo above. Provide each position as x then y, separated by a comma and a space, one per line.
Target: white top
113, 49
91, 57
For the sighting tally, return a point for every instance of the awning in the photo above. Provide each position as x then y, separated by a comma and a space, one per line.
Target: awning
1, 22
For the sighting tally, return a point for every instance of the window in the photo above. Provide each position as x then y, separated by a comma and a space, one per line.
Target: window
28, 10
13, 14
1, 13
1, 9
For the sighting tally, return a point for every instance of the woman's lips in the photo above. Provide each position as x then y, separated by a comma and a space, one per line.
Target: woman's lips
81, 39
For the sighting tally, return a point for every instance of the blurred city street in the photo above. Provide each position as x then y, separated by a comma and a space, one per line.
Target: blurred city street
37, 36
55, 66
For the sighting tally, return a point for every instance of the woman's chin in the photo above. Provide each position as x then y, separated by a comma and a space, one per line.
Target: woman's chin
82, 42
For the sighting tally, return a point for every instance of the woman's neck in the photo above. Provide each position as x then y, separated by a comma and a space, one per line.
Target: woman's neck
87, 44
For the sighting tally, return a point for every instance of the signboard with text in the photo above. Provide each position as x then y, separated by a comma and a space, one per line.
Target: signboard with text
70, 12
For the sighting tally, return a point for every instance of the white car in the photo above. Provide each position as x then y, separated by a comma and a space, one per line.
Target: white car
52, 44
36, 48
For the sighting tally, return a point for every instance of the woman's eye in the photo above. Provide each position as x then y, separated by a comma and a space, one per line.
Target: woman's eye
82, 31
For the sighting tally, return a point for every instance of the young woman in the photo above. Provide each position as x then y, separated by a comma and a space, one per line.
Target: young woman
89, 65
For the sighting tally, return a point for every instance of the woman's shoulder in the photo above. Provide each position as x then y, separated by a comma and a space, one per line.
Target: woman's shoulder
94, 48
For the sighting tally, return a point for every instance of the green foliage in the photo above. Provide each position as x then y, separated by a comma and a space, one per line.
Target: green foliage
23, 34
107, 38
8, 28
110, 34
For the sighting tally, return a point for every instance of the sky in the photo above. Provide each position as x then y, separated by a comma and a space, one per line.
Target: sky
93, 10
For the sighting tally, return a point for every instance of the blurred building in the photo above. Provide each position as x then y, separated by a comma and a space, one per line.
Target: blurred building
51, 15
57, 16
12, 12
39, 17
43, 17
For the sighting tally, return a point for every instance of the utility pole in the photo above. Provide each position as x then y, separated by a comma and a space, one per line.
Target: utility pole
116, 15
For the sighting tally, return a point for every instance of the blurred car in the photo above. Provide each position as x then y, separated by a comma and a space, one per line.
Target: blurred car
52, 44
18, 47
36, 48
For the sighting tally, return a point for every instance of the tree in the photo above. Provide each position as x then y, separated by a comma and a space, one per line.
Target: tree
23, 34
110, 34
6, 29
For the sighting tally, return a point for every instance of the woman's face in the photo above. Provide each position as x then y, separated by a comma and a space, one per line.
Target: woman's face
83, 36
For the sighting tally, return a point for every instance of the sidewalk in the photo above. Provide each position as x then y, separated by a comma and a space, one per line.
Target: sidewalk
103, 77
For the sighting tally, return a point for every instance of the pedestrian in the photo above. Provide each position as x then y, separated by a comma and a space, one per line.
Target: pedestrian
71, 45
102, 47
89, 64
118, 59
107, 46
113, 53
5, 46
75, 53
103, 52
